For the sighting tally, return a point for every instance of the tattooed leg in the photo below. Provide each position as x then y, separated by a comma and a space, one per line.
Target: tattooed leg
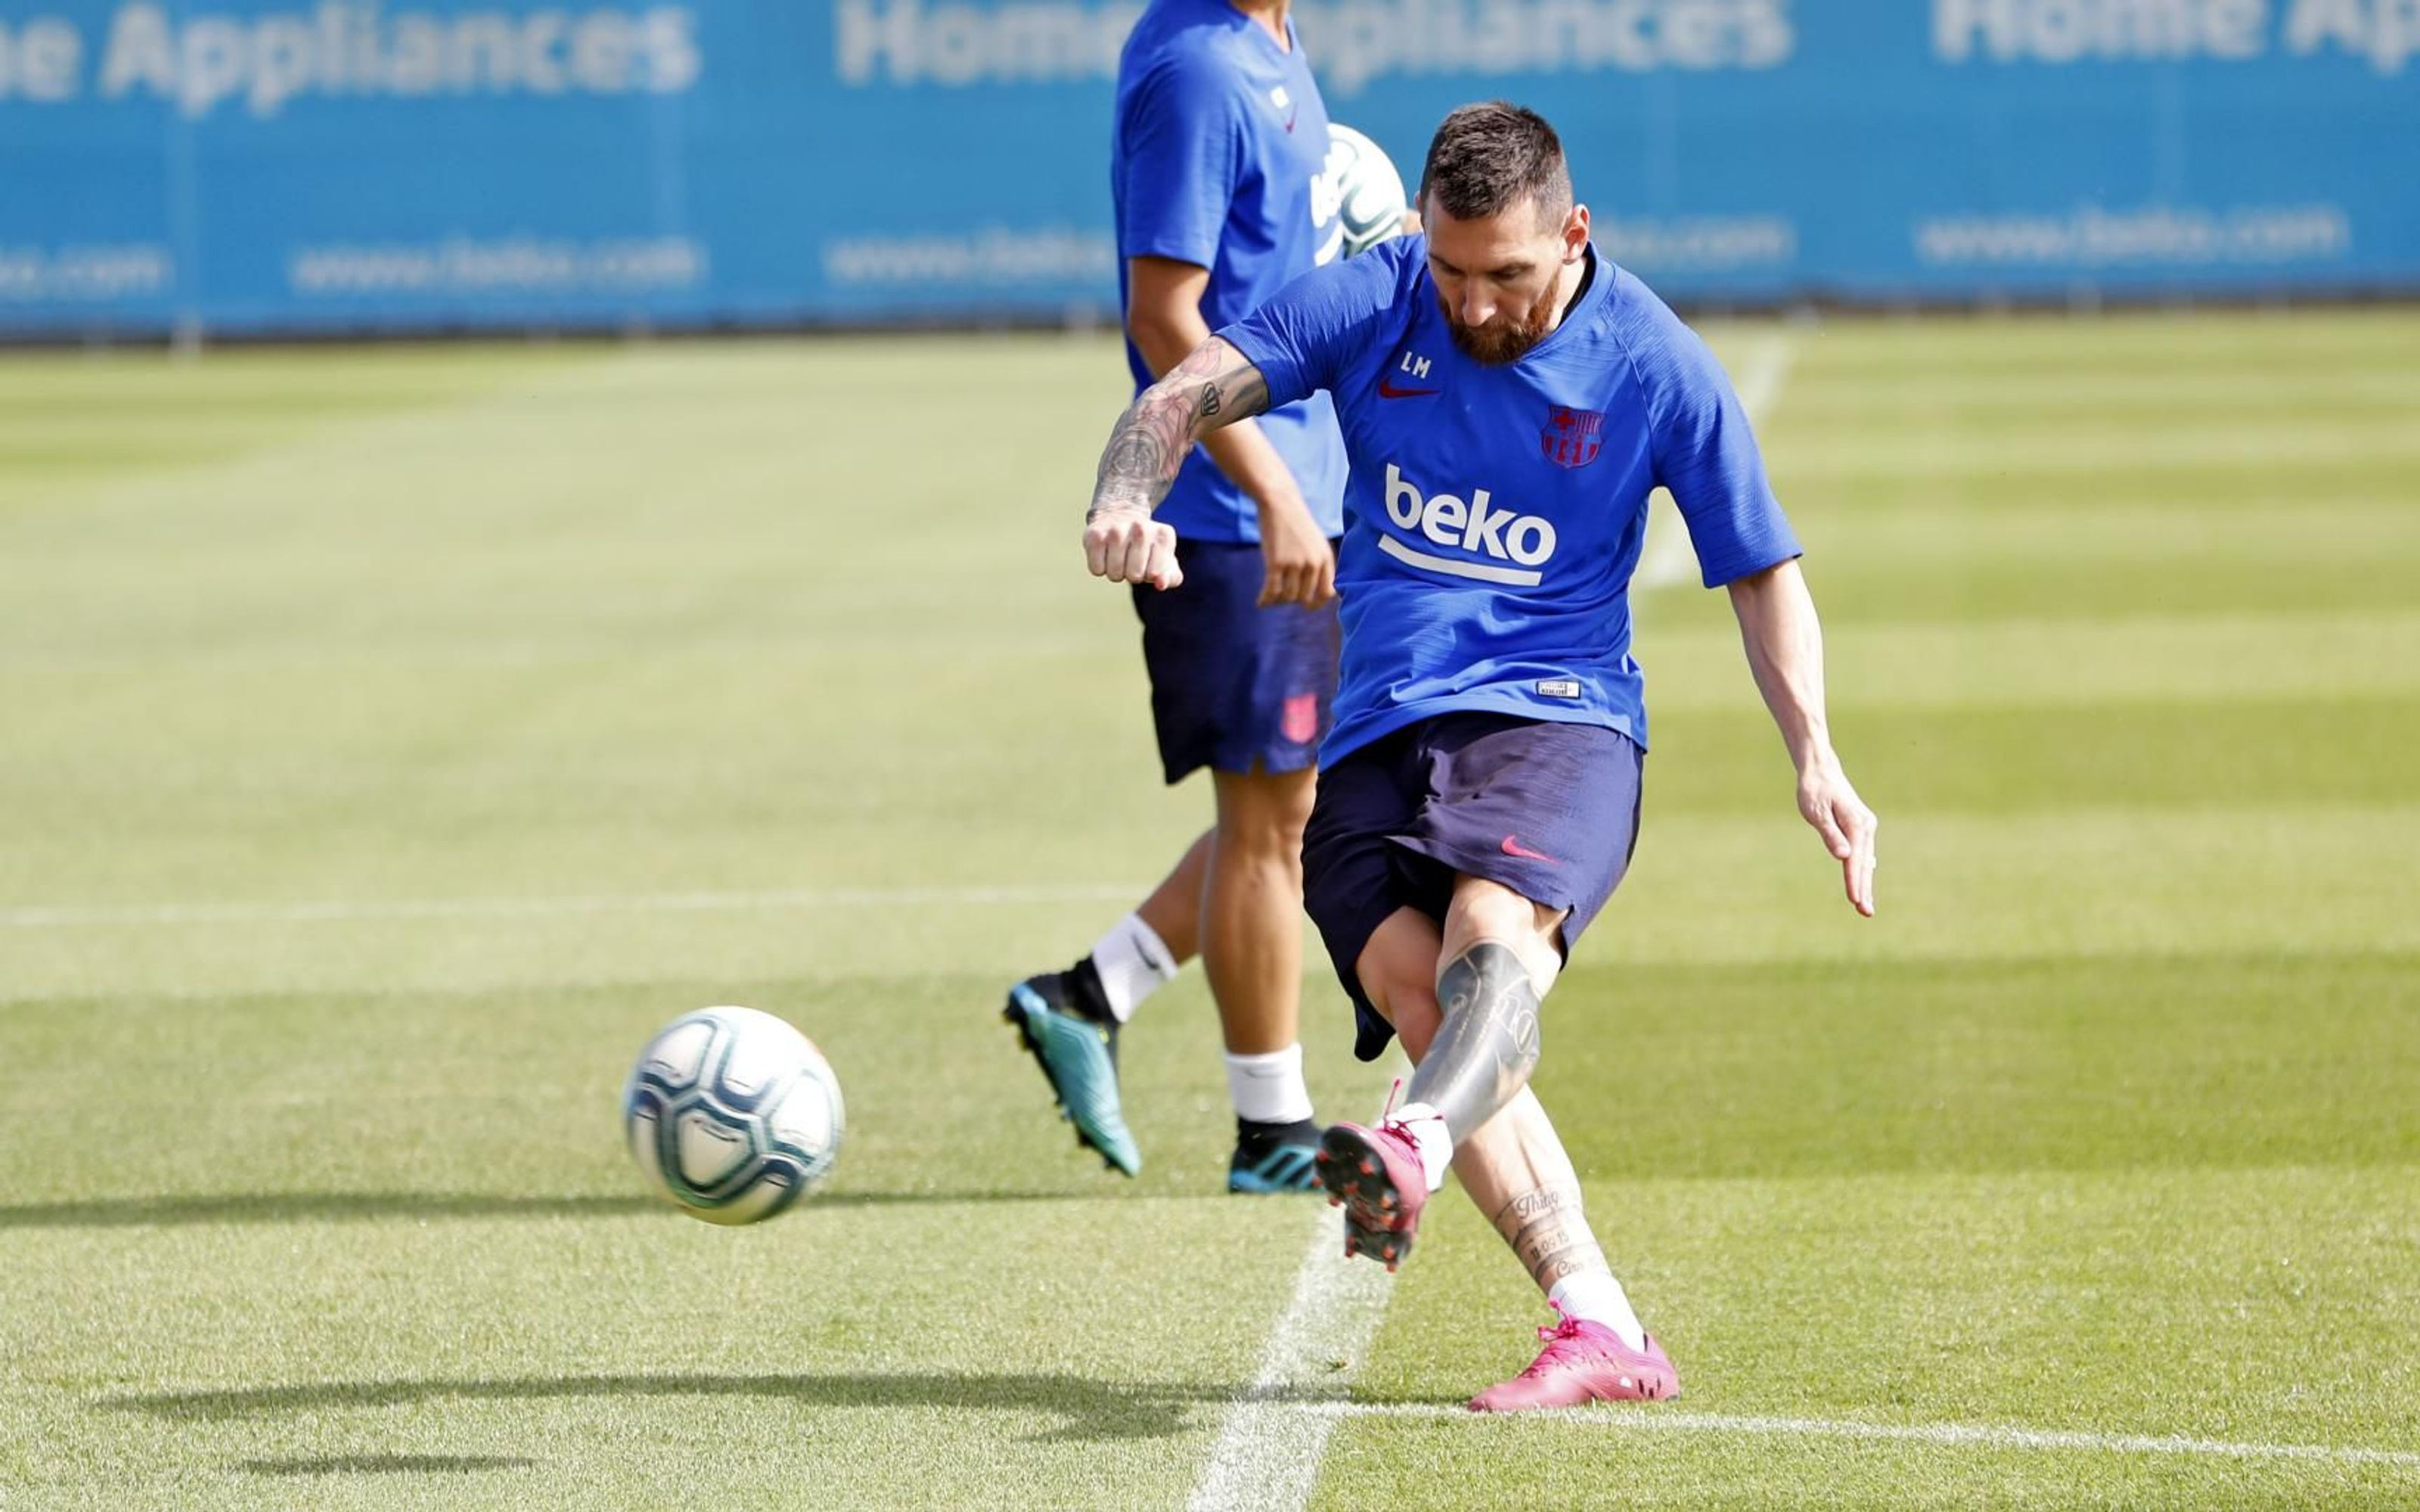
1488, 1044
1546, 1228
1518, 1172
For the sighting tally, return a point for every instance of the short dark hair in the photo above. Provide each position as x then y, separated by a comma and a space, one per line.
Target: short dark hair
1489, 156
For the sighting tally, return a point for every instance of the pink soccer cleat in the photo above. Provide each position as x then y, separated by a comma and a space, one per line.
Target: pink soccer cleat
1375, 1175
1584, 1362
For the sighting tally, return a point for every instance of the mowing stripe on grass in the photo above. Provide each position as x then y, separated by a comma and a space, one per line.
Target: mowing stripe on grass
1659, 1420
337, 911
1267, 1455
1667, 559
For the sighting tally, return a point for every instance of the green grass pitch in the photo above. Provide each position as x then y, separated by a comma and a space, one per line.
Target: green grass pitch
391, 740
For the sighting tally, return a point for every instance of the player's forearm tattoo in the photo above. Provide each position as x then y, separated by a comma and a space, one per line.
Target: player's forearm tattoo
1149, 443
1546, 1228
1483, 1052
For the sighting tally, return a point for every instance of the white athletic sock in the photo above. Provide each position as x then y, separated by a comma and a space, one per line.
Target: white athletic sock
1269, 1088
1133, 963
1426, 1126
1596, 1296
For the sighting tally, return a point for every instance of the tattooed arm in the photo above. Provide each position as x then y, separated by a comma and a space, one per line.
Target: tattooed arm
1165, 321
1213, 387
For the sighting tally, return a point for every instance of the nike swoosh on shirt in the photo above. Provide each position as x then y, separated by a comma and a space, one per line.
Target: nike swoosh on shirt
1513, 846
1387, 390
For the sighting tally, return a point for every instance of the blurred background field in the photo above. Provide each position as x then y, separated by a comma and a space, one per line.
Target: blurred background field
394, 733
396, 737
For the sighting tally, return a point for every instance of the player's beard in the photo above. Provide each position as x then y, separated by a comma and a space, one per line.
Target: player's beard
1507, 338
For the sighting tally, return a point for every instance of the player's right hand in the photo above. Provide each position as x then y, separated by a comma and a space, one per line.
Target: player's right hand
1128, 545
1300, 565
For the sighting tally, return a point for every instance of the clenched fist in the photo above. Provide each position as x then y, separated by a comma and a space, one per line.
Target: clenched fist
1128, 545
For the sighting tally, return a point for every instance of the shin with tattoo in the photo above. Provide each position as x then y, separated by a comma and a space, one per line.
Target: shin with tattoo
1547, 1230
1487, 1044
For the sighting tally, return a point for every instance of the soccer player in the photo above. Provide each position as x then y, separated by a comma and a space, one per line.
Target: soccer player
1216, 171
1508, 399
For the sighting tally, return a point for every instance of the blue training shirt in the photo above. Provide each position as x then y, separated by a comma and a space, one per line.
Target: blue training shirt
1495, 513
1218, 161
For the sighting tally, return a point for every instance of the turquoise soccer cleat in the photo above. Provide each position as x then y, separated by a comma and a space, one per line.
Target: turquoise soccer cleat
1080, 1056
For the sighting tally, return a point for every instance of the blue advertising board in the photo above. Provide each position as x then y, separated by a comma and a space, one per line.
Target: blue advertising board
293, 165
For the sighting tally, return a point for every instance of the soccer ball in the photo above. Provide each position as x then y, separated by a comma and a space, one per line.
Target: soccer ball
1369, 193
732, 1114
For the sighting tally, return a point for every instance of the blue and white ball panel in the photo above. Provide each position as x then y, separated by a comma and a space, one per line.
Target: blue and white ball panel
1369, 192
733, 1114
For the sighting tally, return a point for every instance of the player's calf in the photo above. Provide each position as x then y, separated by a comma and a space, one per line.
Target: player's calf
1487, 1046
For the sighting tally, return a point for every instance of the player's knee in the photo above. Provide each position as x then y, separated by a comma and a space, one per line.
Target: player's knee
1260, 844
1262, 817
1484, 910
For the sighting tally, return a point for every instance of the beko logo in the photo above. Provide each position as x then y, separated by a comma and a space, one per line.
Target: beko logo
1472, 525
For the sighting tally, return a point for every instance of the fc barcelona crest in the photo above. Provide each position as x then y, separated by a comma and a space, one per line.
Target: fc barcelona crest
1571, 438
1300, 718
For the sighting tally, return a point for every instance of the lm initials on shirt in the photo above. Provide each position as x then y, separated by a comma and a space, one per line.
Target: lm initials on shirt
1499, 534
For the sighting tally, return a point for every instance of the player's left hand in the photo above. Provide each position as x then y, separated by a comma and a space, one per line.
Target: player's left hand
1847, 826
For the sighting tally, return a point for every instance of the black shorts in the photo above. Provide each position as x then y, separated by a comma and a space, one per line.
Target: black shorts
1233, 685
1545, 808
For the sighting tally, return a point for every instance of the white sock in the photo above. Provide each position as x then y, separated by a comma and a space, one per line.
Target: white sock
1269, 1088
1596, 1296
1426, 1126
1133, 963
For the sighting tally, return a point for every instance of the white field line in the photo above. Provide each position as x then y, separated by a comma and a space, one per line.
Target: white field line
337, 911
1269, 1450
1659, 1420
1762, 374
1666, 559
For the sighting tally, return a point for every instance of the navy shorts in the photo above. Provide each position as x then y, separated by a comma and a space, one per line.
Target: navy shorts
1547, 810
1233, 685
